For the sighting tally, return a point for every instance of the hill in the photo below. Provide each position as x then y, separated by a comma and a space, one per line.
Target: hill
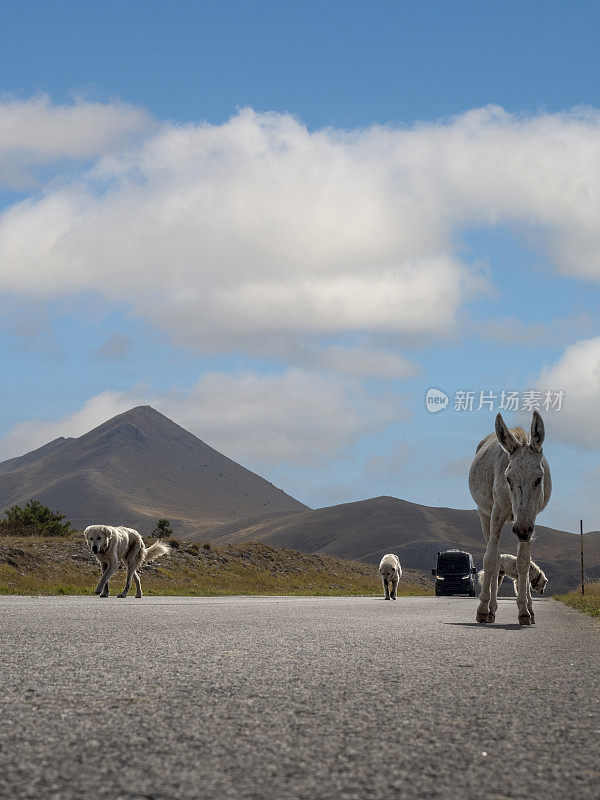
140, 466
46, 565
137, 467
367, 529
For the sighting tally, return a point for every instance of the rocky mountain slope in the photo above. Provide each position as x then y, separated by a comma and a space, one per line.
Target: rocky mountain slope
138, 467
367, 529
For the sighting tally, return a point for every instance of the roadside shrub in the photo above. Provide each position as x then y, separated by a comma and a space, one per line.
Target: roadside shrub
163, 529
35, 519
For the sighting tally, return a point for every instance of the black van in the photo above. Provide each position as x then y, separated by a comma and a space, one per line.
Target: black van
455, 573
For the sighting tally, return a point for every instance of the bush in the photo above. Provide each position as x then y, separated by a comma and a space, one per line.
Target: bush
35, 519
163, 529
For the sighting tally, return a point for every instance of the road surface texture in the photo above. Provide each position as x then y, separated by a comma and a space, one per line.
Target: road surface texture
282, 698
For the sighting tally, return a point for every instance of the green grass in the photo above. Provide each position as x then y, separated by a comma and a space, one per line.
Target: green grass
589, 602
44, 566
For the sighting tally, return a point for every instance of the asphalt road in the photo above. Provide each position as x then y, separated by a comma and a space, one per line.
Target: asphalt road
283, 698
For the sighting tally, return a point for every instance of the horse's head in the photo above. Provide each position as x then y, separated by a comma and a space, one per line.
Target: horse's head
524, 474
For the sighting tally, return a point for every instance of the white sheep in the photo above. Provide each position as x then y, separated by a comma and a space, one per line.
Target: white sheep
391, 572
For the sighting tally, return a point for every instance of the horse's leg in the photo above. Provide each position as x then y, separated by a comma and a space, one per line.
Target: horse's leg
494, 583
485, 524
394, 587
138, 584
523, 563
530, 602
488, 603
483, 608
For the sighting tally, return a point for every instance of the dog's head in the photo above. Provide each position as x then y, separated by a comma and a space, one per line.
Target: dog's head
388, 569
97, 537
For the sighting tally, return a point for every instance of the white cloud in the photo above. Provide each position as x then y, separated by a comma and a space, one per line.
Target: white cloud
35, 132
577, 373
31, 434
258, 234
231, 235
362, 362
296, 417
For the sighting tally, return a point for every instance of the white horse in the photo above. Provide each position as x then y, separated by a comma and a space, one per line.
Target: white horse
391, 572
509, 480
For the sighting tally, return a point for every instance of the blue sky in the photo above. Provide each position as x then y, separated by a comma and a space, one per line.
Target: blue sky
344, 64
281, 223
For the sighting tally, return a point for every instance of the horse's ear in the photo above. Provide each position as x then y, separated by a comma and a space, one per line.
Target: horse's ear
505, 437
538, 432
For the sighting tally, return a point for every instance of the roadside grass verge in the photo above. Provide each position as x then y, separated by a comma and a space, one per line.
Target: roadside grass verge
44, 566
589, 602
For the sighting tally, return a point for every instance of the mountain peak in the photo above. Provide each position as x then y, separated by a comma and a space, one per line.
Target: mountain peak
139, 413
137, 467
146, 411
148, 422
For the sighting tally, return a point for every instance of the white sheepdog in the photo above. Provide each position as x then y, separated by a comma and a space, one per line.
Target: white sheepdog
391, 572
115, 546
508, 569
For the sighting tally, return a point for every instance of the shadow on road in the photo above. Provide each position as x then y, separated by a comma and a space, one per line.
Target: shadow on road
491, 626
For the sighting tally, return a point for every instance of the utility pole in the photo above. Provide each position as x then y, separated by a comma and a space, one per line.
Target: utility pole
581, 539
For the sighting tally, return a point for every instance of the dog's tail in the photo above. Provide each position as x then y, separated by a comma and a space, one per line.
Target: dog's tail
155, 551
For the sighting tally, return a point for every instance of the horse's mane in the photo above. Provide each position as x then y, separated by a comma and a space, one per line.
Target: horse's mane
520, 435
